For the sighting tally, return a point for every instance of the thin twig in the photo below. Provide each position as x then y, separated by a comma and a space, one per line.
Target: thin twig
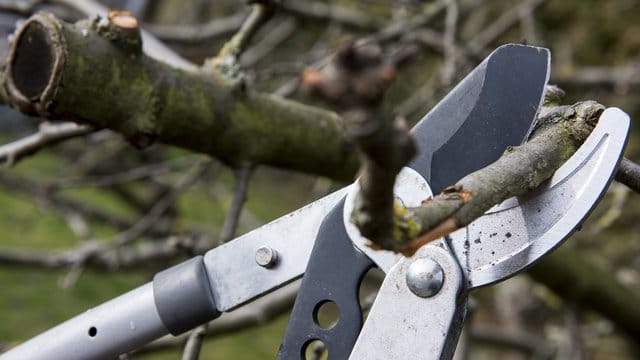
269, 42
242, 176
602, 75
317, 10
387, 33
629, 174
138, 228
159, 207
260, 12
527, 23
194, 343
140, 173
79, 256
48, 134
150, 45
128, 257
451, 20
35, 191
397, 29
198, 33
257, 313
501, 25
575, 344
526, 343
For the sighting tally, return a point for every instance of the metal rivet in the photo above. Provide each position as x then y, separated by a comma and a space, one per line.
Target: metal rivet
266, 257
425, 277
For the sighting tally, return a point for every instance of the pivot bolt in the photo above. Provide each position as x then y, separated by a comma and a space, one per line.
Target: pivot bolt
266, 257
425, 277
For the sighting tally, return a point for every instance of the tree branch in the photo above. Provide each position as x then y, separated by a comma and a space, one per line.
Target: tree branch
560, 133
139, 256
151, 46
89, 73
48, 134
226, 62
317, 10
242, 176
199, 32
194, 343
629, 174
501, 25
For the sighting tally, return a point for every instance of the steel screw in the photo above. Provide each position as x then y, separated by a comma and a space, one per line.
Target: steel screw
425, 277
266, 257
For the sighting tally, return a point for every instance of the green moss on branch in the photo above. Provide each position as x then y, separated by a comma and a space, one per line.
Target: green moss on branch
520, 169
58, 70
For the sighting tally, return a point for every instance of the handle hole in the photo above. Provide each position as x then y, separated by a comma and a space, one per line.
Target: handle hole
368, 290
93, 331
326, 314
315, 350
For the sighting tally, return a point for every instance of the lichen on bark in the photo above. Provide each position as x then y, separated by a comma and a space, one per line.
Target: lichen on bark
95, 79
560, 132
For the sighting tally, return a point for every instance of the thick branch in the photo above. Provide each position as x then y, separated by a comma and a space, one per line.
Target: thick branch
88, 72
152, 46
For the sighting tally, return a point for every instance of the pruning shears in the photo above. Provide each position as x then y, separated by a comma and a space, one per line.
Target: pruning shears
420, 307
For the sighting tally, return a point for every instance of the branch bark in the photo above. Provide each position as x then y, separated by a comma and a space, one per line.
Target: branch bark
560, 132
93, 73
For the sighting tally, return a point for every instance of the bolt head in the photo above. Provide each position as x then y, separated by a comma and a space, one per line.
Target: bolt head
425, 277
266, 257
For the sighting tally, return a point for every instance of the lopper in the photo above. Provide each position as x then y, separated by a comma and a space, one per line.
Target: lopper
419, 310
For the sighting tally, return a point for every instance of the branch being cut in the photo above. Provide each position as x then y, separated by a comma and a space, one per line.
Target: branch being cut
94, 73
355, 81
561, 131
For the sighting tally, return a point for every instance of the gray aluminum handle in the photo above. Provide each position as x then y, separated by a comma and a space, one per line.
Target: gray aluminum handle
177, 300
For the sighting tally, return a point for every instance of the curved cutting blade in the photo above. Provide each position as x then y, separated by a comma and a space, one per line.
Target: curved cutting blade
518, 232
491, 109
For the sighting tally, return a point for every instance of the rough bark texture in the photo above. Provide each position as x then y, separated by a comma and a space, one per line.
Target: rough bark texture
94, 72
560, 133
355, 81
384, 147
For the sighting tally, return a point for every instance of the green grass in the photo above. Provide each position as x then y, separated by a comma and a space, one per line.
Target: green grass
26, 224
